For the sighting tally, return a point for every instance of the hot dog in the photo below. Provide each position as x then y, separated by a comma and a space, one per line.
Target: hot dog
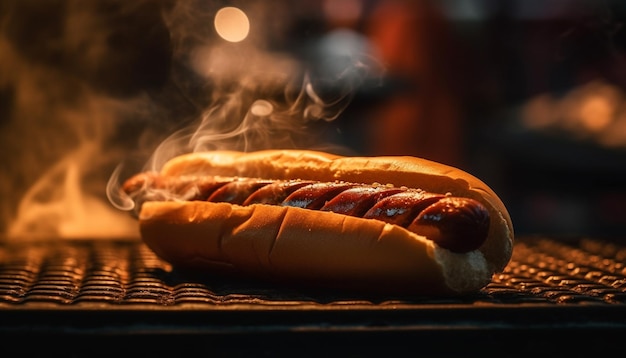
383, 225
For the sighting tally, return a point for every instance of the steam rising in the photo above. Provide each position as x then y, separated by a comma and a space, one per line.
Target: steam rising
60, 112
115, 195
73, 136
261, 99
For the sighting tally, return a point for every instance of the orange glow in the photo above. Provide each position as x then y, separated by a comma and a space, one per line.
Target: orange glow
232, 24
540, 112
596, 113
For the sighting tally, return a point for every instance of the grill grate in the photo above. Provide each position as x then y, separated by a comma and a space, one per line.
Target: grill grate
542, 271
104, 298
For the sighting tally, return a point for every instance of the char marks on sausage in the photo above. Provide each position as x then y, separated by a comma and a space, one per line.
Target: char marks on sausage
455, 223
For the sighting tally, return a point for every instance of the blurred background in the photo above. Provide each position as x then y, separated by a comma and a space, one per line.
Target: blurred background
526, 95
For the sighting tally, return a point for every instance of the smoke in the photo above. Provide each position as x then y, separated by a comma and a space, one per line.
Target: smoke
261, 95
106, 88
70, 89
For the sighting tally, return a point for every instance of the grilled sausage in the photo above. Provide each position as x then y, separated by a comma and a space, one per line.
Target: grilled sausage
457, 224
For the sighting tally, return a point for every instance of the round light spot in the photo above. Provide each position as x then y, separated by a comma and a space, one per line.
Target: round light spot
232, 24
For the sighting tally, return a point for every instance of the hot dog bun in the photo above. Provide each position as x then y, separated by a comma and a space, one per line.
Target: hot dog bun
288, 244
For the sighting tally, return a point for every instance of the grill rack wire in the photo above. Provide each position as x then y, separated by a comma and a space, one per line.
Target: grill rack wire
120, 272
86, 292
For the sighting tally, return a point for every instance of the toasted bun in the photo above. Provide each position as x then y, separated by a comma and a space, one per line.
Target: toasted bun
293, 244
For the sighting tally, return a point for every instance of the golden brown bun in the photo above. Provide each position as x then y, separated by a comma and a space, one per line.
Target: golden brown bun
406, 171
292, 244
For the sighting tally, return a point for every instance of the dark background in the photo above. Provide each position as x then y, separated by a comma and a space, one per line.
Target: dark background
453, 83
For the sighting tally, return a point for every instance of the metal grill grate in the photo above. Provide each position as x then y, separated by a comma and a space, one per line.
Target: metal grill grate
542, 271
104, 298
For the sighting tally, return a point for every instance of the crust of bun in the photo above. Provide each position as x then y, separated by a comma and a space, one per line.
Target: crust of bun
407, 171
303, 247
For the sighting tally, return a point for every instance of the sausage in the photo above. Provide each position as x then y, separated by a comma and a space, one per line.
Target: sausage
455, 223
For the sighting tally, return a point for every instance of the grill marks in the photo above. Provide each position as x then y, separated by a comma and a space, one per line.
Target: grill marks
360, 200
402, 207
235, 192
274, 192
316, 195
458, 224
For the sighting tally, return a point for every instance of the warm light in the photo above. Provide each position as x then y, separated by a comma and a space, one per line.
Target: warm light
261, 108
615, 134
596, 113
539, 112
232, 24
